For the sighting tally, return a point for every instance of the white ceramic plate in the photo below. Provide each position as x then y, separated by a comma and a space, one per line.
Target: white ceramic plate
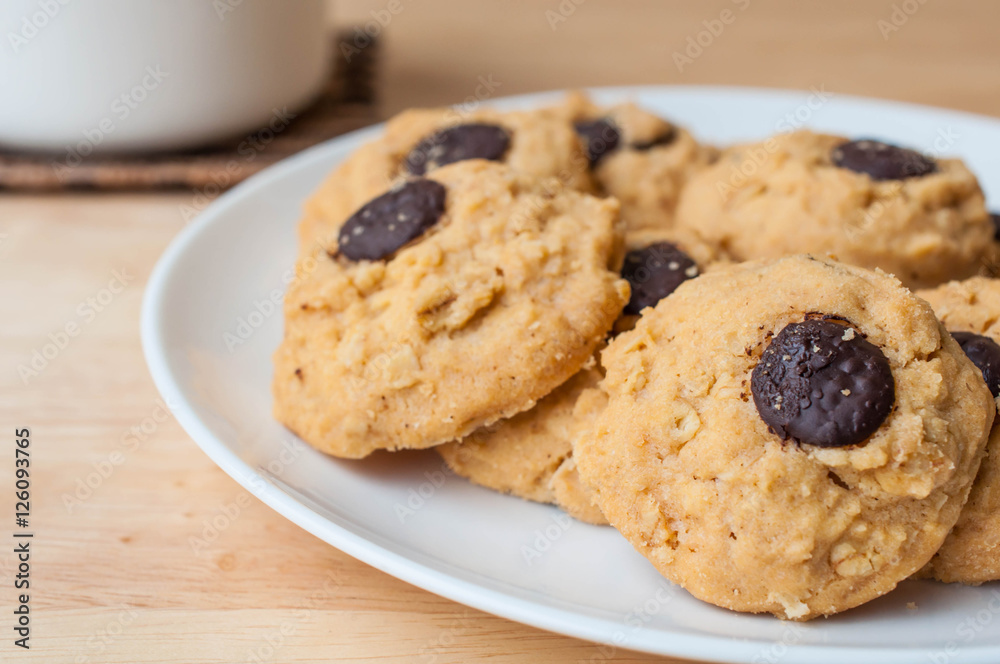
406, 515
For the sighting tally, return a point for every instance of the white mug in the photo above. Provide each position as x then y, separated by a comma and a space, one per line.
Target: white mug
89, 76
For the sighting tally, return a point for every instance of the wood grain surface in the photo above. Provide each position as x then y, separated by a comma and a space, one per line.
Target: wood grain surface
119, 491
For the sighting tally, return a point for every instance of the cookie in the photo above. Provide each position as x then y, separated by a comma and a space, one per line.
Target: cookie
746, 449
531, 454
864, 202
991, 262
415, 142
637, 157
971, 554
450, 302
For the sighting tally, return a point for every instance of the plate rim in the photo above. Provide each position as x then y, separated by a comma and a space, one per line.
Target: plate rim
489, 600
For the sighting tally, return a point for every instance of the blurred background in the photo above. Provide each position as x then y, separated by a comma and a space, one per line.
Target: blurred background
163, 79
927, 51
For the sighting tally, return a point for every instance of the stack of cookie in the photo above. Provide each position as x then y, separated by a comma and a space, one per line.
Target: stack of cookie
582, 305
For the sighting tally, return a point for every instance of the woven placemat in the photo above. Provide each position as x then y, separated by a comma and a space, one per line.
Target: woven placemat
347, 102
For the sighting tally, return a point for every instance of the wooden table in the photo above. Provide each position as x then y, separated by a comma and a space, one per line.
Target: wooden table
119, 491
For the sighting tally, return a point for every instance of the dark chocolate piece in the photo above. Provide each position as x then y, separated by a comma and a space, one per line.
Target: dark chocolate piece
821, 383
458, 143
881, 161
654, 273
386, 223
985, 354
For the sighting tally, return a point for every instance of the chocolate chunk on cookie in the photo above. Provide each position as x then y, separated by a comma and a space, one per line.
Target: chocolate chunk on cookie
985, 354
389, 221
995, 218
647, 163
458, 143
654, 272
665, 138
601, 137
822, 384
881, 161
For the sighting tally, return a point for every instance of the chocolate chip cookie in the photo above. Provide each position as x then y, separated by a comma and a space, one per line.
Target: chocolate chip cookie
531, 454
415, 142
449, 302
792, 436
971, 554
865, 202
637, 157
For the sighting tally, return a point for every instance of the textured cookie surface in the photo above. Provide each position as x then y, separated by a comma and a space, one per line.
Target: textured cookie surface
530, 455
415, 142
787, 195
971, 554
685, 467
496, 304
639, 158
